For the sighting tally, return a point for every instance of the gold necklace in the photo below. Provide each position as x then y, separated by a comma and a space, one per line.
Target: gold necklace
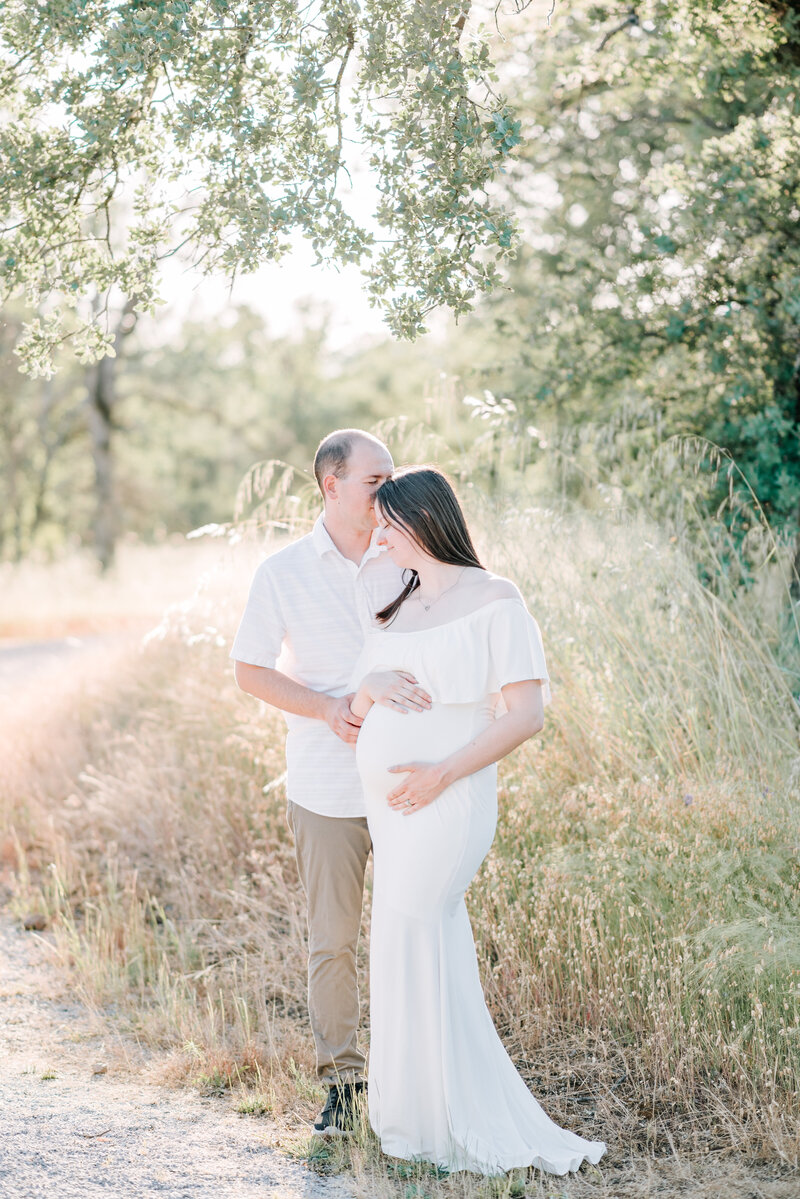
428, 607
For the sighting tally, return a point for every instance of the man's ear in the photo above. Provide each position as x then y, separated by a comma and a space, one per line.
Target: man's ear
330, 484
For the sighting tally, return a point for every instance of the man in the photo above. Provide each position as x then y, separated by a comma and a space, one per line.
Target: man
296, 648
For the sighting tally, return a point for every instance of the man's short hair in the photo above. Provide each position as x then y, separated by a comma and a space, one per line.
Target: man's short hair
333, 452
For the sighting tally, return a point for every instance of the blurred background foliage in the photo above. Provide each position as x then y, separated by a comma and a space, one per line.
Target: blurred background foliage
656, 295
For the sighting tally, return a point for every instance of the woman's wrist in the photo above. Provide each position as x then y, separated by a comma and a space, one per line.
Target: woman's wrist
364, 688
449, 772
362, 701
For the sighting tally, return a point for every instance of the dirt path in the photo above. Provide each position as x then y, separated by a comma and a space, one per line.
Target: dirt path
69, 1132
25, 663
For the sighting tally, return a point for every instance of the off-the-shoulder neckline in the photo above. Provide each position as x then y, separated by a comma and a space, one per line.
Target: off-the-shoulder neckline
501, 599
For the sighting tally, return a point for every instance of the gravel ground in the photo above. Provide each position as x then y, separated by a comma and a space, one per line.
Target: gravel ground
71, 1133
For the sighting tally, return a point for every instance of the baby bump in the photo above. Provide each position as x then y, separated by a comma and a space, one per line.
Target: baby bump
390, 738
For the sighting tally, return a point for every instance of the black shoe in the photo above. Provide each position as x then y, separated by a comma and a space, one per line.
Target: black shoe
339, 1113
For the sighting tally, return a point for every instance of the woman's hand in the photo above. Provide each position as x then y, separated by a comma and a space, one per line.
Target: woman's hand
425, 782
396, 689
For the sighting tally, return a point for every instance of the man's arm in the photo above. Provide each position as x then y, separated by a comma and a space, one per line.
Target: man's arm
280, 691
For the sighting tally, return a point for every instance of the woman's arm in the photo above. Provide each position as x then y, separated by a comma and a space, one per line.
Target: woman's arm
394, 689
425, 781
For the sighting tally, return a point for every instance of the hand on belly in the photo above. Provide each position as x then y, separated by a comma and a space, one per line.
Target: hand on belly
421, 784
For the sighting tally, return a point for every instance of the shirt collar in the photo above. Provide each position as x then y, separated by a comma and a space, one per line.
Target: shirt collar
323, 542
321, 538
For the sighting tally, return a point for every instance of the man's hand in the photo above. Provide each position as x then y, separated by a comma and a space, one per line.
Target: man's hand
425, 782
343, 722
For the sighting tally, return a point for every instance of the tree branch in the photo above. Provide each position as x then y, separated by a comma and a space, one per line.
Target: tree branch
631, 19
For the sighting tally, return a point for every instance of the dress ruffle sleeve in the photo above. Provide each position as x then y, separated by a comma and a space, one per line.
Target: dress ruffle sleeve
515, 648
465, 660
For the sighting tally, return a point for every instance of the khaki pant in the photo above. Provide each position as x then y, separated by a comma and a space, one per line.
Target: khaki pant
332, 854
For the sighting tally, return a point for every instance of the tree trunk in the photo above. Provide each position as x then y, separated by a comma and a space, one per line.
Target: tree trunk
794, 585
15, 532
100, 397
50, 443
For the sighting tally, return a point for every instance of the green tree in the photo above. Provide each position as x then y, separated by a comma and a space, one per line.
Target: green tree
229, 126
658, 193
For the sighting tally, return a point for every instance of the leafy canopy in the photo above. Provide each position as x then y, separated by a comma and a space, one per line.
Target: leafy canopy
658, 196
227, 127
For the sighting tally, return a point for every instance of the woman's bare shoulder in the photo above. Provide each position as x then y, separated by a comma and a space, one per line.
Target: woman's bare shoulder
494, 587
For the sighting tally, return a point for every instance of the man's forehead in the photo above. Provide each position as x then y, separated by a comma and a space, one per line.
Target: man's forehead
368, 458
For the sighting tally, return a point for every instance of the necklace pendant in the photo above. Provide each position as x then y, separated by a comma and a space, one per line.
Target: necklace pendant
427, 607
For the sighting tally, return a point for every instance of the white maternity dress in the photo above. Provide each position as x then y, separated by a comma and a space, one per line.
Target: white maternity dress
441, 1086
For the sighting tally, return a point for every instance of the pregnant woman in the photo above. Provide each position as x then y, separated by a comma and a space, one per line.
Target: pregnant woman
441, 1086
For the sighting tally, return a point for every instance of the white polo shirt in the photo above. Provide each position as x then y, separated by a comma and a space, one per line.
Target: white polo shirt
306, 616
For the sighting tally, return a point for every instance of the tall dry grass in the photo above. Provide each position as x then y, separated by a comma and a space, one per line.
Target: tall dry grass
68, 595
637, 922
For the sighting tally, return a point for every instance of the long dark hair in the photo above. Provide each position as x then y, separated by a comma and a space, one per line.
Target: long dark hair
421, 500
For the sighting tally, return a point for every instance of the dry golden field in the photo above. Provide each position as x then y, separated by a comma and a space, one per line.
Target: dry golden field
638, 920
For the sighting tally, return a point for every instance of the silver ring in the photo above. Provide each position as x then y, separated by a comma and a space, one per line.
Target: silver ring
408, 803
